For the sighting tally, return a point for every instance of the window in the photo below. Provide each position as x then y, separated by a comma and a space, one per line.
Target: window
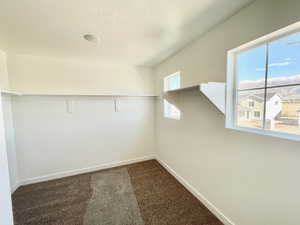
171, 111
257, 114
263, 93
251, 104
171, 82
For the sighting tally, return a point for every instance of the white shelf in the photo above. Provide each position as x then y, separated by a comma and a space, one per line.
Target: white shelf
215, 92
9, 92
183, 89
86, 94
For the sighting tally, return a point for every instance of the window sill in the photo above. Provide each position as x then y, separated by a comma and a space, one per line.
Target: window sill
267, 133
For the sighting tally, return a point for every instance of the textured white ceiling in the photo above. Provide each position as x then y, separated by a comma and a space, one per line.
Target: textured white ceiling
140, 32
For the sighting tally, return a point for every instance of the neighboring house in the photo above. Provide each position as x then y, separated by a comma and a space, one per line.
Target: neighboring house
274, 106
291, 106
251, 107
291, 110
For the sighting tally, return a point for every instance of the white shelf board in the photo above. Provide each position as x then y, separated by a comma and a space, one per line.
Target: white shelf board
214, 91
9, 92
87, 94
183, 88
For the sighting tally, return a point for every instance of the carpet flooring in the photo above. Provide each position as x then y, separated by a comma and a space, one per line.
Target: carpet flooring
138, 194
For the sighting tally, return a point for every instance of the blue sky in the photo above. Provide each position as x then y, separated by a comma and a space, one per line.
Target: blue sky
284, 60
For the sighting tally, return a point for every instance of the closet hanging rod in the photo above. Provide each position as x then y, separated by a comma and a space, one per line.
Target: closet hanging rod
75, 94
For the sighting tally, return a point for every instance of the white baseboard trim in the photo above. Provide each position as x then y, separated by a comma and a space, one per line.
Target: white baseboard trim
197, 194
15, 187
83, 170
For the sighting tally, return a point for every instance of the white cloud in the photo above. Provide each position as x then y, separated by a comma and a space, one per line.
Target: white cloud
279, 64
295, 79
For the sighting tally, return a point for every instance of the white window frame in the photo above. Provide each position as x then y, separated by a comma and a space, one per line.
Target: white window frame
166, 86
166, 115
232, 80
165, 102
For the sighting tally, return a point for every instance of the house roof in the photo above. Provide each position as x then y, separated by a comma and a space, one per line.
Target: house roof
259, 97
293, 98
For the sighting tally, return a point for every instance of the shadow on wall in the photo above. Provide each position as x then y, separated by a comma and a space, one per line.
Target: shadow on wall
180, 98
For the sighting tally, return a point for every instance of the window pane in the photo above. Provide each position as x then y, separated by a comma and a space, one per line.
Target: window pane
171, 111
174, 82
283, 109
251, 68
284, 61
250, 109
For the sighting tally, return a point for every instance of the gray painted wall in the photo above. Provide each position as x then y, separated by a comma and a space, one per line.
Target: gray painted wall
252, 179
